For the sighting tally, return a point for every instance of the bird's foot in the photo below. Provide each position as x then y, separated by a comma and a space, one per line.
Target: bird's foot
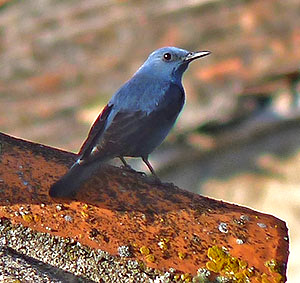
127, 167
131, 170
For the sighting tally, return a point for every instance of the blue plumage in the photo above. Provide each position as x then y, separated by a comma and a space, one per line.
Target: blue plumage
136, 119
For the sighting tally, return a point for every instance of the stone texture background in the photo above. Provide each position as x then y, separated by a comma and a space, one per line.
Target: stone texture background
61, 61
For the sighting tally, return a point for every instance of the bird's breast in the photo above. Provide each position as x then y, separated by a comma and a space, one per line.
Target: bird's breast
172, 101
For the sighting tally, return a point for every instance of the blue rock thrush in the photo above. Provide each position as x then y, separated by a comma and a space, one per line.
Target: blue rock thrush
137, 118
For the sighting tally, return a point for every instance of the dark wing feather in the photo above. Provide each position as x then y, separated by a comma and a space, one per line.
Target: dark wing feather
118, 139
133, 133
123, 131
137, 133
95, 132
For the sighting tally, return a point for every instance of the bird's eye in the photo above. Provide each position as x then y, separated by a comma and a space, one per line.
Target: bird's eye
167, 56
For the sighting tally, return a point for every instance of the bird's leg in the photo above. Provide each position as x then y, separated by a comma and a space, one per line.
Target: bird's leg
126, 165
146, 161
123, 161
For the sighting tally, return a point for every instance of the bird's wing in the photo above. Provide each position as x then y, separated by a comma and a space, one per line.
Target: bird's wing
95, 132
116, 138
129, 129
123, 126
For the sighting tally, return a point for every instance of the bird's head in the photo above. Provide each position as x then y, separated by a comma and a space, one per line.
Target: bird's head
170, 62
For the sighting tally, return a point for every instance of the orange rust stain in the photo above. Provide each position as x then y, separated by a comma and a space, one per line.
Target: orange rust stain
119, 207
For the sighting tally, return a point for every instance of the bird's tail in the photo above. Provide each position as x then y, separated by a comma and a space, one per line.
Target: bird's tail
70, 183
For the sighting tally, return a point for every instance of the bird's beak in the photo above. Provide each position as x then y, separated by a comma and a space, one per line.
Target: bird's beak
196, 55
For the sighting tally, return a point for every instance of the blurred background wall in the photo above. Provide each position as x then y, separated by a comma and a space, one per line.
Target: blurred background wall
238, 138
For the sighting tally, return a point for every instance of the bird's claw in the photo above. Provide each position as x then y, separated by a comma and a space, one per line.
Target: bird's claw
127, 167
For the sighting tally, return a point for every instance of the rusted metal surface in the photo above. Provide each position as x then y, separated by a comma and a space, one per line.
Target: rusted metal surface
159, 224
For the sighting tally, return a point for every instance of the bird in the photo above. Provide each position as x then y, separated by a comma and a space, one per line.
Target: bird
136, 119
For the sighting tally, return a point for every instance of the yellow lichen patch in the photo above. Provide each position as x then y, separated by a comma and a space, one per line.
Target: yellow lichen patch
231, 264
243, 264
36, 218
85, 206
27, 217
272, 265
181, 255
150, 258
141, 265
186, 277
275, 269
239, 277
264, 278
215, 253
222, 262
211, 266
163, 244
278, 278
249, 272
84, 214
144, 250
